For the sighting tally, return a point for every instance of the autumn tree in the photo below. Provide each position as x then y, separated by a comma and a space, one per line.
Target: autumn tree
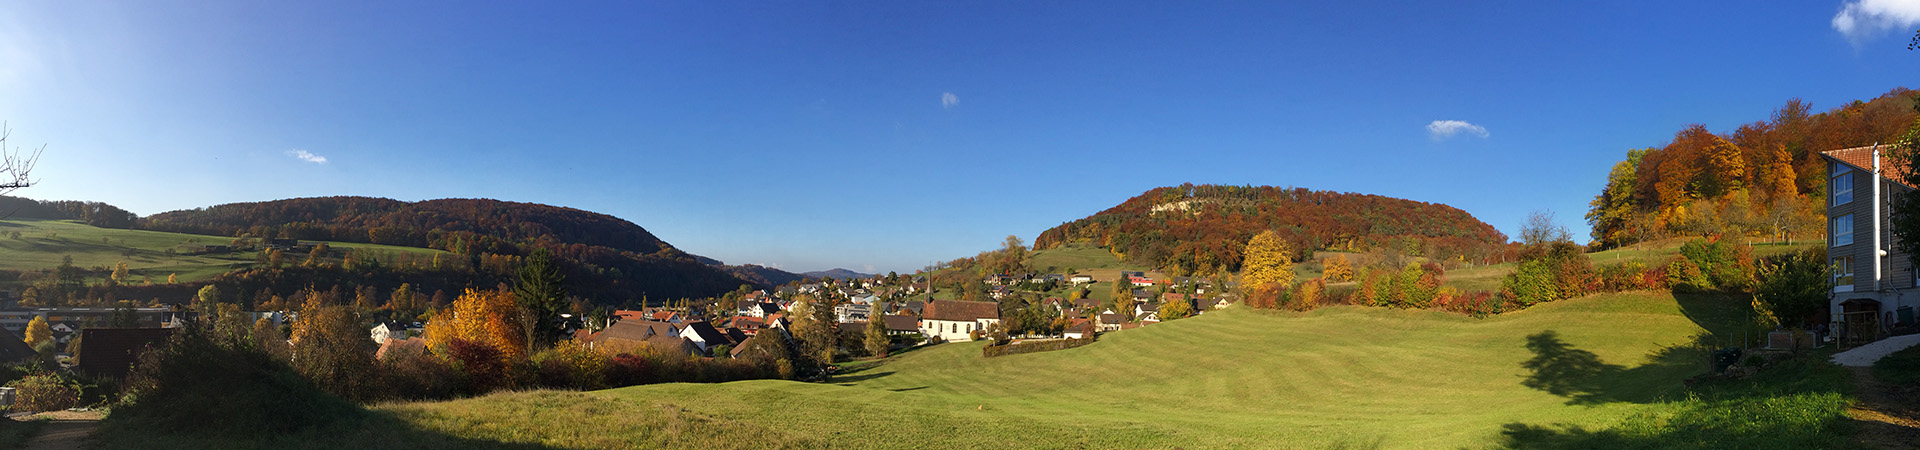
1338, 269
332, 351
119, 275
173, 278
402, 298
1612, 212
38, 331
815, 332
366, 298
1268, 260
877, 340
208, 295
1905, 214
1177, 309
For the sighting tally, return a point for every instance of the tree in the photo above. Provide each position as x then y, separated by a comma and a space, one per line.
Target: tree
815, 332
542, 293
877, 340
1905, 214
331, 350
1338, 269
402, 299
1612, 212
173, 278
1177, 309
1268, 260
1794, 287
16, 166
119, 275
208, 295
1539, 230
38, 331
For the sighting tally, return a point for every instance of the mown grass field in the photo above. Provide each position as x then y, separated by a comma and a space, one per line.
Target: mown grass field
1341, 377
44, 243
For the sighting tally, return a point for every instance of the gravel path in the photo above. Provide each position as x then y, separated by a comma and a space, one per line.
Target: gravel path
1867, 354
64, 430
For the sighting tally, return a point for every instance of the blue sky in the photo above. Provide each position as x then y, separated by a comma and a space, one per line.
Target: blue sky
883, 136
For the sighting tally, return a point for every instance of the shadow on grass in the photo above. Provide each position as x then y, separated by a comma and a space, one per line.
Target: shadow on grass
845, 378
1799, 403
366, 429
1579, 375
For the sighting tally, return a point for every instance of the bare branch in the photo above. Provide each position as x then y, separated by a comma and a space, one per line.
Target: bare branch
16, 166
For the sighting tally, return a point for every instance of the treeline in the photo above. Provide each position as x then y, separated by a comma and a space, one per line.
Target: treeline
1763, 178
614, 259
1202, 230
92, 213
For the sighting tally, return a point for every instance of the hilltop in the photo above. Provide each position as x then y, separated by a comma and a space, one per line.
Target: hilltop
1202, 229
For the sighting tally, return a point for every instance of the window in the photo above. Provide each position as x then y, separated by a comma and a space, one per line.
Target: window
1841, 185
1843, 274
1842, 230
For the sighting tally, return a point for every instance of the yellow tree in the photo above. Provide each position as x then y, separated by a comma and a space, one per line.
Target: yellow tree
173, 278
120, 273
1268, 260
492, 318
38, 331
1338, 269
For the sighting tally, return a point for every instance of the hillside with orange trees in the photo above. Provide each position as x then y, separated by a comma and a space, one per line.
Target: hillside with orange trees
1765, 178
1203, 229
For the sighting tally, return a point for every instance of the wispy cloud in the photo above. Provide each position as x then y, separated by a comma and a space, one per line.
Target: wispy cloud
1442, 129
947, 100
304, 155
1860, 20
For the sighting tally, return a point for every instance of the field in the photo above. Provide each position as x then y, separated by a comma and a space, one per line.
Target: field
1591, 372
43, 243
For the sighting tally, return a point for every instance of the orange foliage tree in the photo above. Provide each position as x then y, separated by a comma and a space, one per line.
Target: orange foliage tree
485, 317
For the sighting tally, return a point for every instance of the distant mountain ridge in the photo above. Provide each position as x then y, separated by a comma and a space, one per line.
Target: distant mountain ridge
607, 257
837, 274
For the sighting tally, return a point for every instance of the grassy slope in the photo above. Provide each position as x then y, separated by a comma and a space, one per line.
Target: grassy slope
1238, 378
43, 243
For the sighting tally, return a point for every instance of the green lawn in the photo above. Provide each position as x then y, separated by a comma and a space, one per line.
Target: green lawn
1079, 257
43, 243
1341, 376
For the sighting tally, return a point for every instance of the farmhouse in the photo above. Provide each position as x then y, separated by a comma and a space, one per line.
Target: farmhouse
953, 320
1873, 282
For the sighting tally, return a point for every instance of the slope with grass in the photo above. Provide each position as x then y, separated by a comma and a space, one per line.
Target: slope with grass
1338, 376
44, 243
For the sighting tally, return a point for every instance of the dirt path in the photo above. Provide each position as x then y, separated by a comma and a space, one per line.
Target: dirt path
64, 430
1888, 415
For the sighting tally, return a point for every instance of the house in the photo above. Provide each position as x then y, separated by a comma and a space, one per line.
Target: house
915, 307
1173, 297
1077, 329
705, 335
1109, 321
390, 330
1141, 281
632, 335
1141, 295
111, 352
955, 320
1873, 282
748, 325
757, 309
1081, 279
851, 312
399, 346
898, 324
1000, 292
13, 350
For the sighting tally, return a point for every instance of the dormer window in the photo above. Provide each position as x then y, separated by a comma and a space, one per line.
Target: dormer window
1841, 185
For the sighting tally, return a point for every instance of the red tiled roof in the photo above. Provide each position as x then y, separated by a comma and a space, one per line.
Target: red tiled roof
1862, 158
961, 310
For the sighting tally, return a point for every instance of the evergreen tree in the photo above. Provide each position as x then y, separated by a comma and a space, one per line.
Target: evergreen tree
542, 293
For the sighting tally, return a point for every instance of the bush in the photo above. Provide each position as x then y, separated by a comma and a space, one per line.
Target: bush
1715, 266
1794, 287
195, 386
1529, 284
44, 392
416, 375
1031, 347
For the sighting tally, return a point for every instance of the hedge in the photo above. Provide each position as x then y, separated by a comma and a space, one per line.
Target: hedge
1030, 347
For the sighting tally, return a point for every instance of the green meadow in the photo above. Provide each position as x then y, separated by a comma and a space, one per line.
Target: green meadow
1598, 372
45, 243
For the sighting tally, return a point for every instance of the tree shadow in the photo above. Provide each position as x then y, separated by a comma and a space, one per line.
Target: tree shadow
915, 388
847, 380
1561, 369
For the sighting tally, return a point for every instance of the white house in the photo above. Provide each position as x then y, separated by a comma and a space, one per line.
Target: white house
954, 320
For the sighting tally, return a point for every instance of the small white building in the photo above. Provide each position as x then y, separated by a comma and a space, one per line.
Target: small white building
955, 320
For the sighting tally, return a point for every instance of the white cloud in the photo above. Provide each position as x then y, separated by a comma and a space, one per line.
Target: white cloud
1863, 19
304, 155
1442, 129
947, 100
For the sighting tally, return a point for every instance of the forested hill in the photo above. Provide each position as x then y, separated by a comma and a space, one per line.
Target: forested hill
608, 259
1762, 178
449, 224
1202, 229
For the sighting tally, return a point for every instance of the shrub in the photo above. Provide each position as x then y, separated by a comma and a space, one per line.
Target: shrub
1031, 347
194, 386
44, 392
1530, 283
1794, 287
1722, 266
572, 366
481, 364
416, 375
1685, 276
